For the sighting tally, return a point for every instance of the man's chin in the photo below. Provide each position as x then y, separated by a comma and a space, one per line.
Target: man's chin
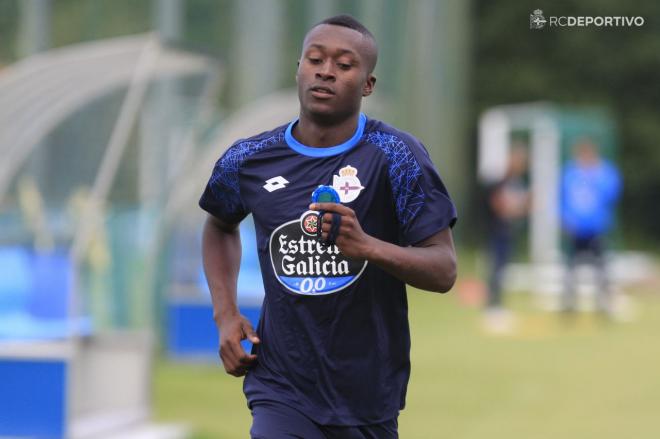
321, 108
326, 114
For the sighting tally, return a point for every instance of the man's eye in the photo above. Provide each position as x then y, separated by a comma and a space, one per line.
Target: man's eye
344, 66
314, 60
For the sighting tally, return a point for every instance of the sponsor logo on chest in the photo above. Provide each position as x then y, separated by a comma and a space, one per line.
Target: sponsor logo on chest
304, 266
301, 263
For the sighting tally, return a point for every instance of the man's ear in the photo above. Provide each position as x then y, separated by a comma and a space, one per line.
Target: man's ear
369, 85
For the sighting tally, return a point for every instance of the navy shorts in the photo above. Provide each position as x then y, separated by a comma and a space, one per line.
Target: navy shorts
278, 421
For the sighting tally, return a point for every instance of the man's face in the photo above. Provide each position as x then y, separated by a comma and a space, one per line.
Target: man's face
586, 152
334, 72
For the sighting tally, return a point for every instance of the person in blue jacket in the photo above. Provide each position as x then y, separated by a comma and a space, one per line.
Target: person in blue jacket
590, 189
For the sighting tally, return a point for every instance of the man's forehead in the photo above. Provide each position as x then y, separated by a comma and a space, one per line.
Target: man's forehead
337, 37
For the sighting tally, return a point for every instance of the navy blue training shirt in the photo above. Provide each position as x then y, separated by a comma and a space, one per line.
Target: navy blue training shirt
334, 332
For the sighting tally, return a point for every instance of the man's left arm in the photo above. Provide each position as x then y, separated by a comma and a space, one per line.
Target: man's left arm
429, 265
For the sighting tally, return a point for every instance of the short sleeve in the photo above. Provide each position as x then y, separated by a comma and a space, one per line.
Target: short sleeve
423, 206
222, 195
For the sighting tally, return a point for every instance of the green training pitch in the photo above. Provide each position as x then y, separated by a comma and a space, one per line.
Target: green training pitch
551, 378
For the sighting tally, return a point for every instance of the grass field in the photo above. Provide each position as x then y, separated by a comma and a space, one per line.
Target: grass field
551, 379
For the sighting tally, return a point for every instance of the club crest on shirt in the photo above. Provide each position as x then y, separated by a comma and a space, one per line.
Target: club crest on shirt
303, 266
309, 222
347, 184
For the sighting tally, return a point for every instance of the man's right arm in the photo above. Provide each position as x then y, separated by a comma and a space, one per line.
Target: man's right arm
221, 253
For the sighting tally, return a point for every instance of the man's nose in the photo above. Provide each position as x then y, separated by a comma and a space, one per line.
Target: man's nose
326, 72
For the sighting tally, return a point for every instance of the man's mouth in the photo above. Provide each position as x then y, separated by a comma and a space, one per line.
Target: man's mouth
320, 91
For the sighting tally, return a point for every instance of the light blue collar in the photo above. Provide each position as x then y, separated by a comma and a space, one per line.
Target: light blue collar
324, 151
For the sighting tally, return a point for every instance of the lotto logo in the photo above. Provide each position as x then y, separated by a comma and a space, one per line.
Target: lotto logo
275, 183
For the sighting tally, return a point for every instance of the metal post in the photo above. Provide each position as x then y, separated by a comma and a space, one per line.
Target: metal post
258, 50
110, 163
35, 28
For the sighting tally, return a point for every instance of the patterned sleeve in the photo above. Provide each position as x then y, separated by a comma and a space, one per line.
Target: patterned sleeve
423, 205
222, 195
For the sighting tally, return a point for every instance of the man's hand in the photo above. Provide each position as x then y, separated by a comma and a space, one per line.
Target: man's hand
351, 240
429, 264
234, 329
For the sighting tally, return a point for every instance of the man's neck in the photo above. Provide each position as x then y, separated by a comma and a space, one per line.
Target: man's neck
312, 133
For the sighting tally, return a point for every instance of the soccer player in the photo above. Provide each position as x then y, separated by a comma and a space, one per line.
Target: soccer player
330, 355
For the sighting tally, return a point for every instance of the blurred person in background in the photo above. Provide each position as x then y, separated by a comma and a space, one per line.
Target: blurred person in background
590, 188
507, 204
330, 356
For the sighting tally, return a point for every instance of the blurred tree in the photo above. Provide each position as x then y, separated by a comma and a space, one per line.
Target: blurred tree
8, 31
616, 67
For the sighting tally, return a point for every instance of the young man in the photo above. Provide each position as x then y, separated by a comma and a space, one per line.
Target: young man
331, 352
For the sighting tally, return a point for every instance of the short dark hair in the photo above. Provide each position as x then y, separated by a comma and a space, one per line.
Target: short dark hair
348, 21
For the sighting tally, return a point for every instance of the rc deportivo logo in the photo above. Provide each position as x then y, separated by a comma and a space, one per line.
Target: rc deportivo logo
303, 265
347, 184
537, 20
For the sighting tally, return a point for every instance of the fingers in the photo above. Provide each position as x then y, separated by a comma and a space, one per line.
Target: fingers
234, 358
332, 207
248, 332
345, 227
348, 235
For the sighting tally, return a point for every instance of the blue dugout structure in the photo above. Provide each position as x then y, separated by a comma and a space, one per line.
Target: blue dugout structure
191, 332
